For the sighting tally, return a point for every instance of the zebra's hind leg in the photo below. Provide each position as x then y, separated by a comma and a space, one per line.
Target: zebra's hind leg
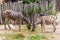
5, 25
42, 26
8, 24
54, 26
19, 23
4, 22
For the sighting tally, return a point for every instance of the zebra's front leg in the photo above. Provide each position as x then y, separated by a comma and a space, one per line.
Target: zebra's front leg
54, 26
28, 26
42, 28
34, 27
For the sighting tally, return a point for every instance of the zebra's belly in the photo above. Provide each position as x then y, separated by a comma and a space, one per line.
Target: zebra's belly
48, 22
14, 18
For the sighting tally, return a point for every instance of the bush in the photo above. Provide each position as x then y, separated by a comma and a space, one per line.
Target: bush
37, 37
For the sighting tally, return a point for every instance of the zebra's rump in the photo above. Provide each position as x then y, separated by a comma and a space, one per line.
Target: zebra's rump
49, 18
16, 14
13, 14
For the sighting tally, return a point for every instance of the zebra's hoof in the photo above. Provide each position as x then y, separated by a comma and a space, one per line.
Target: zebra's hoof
33, 30
29, 28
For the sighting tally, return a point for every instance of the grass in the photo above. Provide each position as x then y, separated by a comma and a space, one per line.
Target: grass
14, 37
27, 35
38, 37
23, 37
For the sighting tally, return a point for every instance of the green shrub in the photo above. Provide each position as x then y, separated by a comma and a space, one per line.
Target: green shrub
37, 37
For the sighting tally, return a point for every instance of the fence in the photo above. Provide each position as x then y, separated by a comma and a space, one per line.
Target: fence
19, 7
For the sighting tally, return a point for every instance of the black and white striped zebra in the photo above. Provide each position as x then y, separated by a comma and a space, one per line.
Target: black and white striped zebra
13, 15
49, 19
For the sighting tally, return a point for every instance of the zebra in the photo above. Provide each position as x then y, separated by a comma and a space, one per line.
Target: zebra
13, 15
48, 19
